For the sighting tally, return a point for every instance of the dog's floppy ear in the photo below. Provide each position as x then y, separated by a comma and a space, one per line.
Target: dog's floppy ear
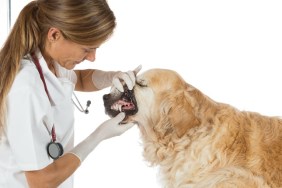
181, 114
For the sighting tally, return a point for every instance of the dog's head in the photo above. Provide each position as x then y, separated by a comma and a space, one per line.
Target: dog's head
158, 103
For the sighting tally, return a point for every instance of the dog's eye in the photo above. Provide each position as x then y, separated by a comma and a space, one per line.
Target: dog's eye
141, 83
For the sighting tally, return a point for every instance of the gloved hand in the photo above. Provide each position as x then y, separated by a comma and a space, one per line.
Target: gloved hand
128, 77
113, 127
108, 129
103, 79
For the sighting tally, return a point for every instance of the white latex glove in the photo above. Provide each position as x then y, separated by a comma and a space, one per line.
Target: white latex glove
128, 77
108, 129
102, 79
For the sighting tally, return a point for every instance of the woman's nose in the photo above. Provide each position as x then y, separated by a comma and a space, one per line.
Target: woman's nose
91, 56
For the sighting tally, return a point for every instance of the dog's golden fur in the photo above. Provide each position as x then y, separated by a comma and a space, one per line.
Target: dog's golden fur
198, 142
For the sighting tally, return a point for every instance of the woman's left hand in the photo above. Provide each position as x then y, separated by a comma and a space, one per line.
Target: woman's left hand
128, 77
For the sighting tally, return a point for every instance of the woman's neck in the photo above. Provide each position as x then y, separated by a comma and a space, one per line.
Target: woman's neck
50, 62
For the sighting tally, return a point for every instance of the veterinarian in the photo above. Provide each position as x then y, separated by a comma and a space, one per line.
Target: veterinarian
37, 80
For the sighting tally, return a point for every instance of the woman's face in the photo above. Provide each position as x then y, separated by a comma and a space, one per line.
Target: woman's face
68, 54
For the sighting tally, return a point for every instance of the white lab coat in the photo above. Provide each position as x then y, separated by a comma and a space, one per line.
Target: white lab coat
30, 117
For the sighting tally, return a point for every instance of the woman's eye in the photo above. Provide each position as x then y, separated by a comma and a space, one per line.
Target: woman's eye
86, 50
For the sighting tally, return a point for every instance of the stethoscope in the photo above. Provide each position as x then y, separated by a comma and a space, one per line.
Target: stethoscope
79, 106
55, 148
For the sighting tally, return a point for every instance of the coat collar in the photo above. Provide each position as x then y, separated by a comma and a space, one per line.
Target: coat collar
56, 87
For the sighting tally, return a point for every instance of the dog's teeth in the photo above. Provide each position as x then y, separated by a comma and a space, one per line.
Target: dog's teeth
119, 108
115, 107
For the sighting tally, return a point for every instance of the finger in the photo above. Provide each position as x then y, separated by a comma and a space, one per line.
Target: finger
132, 76
127, 79
119, 117
125, 127
137, 69
117, 84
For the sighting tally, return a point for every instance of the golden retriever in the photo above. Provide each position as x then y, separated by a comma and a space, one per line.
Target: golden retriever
196, 141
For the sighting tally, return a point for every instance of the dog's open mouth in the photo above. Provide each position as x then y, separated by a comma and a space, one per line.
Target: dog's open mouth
120, 102
123, 105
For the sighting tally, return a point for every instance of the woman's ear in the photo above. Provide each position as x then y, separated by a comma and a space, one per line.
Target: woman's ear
54, 34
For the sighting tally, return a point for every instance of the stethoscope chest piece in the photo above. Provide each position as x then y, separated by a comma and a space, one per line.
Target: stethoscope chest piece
55, 150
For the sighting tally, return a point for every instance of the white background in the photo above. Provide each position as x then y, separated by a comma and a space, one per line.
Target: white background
230, 50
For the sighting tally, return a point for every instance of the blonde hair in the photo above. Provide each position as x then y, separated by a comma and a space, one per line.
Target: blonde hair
81, 21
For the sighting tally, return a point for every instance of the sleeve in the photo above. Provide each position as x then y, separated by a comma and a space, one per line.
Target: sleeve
28, 136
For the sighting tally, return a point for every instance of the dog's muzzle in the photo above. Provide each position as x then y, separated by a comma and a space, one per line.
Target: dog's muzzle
117, 102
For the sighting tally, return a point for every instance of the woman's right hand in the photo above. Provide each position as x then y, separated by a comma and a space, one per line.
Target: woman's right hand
113, 127
108, 129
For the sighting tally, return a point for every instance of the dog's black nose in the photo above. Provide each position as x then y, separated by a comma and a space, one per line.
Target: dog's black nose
106, 97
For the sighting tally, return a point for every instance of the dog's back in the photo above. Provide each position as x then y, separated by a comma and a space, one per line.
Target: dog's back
247, 140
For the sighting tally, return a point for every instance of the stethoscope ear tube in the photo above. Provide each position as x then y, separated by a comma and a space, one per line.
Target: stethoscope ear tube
79, 106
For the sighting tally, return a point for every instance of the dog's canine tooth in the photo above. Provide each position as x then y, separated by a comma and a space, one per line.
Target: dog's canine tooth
115, 107
119, 107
